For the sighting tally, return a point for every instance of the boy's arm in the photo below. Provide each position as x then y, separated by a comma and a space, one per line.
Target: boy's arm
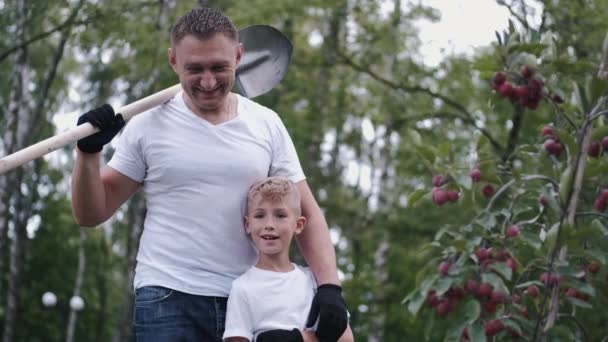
238, 324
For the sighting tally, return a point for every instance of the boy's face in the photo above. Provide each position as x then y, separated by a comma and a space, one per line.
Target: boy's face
272, 224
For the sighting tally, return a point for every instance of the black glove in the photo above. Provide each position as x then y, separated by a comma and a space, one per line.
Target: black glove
280, 336
329, 306
109, 124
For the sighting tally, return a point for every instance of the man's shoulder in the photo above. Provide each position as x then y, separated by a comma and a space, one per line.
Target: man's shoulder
257, 110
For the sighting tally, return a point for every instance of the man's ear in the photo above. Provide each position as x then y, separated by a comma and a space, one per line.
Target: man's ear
172, 58
239, 53
300, 223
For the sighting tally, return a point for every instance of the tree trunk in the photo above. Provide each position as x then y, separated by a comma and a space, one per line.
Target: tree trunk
135, 221
13, 138
77, 287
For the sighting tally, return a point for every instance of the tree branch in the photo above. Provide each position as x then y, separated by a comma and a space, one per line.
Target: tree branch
410, 89
465, 116
70, 21
514, 14
466, 119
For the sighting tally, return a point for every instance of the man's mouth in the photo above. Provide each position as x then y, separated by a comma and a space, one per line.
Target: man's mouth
269, 237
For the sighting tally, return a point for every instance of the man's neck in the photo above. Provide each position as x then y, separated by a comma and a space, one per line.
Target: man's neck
223, 114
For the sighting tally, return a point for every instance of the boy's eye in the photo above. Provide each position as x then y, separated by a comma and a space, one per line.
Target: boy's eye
258, 216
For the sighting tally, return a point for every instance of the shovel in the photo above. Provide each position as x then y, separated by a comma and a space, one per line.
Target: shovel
263, 66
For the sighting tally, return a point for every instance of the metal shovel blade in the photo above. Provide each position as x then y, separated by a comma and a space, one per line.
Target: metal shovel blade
265, 61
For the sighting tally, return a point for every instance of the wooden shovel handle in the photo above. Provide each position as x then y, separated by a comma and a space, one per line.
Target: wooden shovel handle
74, 134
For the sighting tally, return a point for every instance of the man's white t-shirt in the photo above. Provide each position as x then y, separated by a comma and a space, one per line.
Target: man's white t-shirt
195, 179
262, 300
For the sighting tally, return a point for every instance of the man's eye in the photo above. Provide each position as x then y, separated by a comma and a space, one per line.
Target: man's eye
258, 216
219, 69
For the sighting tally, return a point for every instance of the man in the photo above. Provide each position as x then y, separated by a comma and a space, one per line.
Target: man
195, 157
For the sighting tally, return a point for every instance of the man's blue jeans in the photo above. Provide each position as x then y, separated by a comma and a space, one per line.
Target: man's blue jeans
165, 315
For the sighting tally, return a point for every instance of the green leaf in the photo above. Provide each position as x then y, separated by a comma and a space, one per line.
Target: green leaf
532, 48
413, 136
462, 179
565, 184
559, 333
523, 58
466, 314
416, 196
580, 286
498, 37
477, 332
568, 139
598, 255
443, 285
415, 303
579, 303
426, 152
512, 325
494, 280
529, 283
503, 269
570, 270
597, 87
428, 283
443, 150
552, 236
531, 239
582, 99
486, 220
599, 132
599, 227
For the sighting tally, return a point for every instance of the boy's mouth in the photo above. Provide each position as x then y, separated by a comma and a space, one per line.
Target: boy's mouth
269, 237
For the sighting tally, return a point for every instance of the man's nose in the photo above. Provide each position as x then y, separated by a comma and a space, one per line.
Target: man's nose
208, 80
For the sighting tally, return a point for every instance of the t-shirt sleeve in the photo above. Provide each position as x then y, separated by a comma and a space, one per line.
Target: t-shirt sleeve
285, 162
128, 158
239, 321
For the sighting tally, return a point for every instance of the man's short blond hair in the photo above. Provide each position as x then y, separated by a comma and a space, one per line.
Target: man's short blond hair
275, 189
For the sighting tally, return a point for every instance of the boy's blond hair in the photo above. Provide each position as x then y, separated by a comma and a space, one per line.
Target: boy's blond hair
275, 189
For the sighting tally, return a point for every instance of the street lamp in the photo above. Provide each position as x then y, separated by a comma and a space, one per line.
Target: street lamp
49, 299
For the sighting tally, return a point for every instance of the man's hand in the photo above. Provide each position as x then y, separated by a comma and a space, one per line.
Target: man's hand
330, 309
280, 336
109, 125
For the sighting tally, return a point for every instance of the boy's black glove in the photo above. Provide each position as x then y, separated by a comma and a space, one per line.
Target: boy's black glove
329, 307
280, 336
109, 125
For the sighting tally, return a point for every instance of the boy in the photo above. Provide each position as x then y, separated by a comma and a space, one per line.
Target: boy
271, 301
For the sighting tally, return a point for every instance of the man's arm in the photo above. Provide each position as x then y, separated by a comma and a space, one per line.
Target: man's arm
314, 241
97, 193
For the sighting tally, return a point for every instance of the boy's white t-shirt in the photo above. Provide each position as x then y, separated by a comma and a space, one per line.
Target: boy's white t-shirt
262, 300
195, 179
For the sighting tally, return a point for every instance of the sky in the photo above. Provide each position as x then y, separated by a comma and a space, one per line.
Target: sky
464, 24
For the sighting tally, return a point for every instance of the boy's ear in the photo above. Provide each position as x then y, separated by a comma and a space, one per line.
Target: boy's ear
246, 225
300, 223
